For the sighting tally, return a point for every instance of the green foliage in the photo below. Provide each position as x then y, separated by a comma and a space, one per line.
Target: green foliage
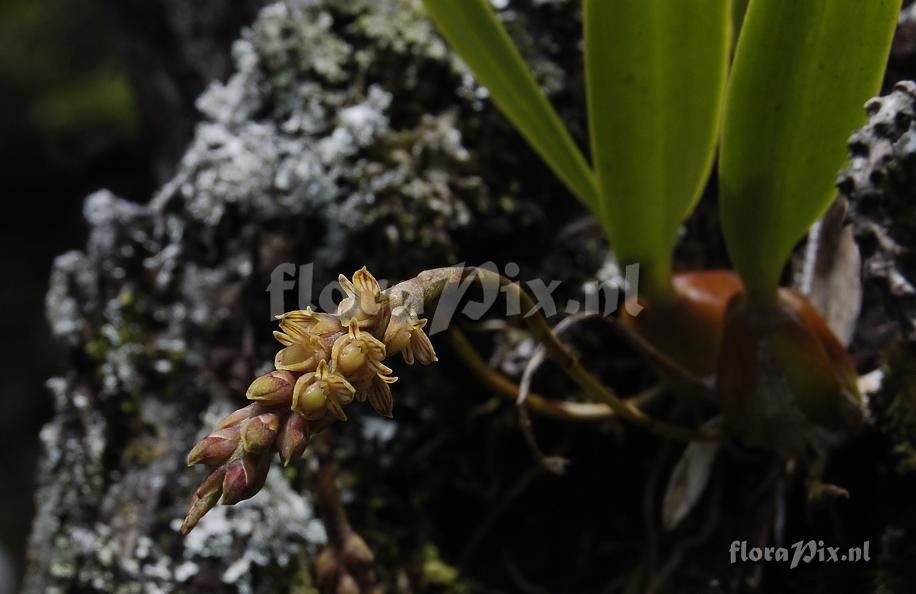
656, 73
739, 8
62, 77
802, 71
471, 27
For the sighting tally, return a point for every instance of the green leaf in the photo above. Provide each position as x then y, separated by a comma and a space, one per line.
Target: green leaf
472, 29
656, 73
802, 71
739, 8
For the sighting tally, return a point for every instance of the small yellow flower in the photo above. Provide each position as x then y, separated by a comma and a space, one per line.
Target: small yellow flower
321, 391
358, 355
302, 356
364, 299
405, 335
302, 324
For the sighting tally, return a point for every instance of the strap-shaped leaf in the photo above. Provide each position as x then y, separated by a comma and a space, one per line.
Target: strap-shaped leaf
802, 71
656, 72
474, 32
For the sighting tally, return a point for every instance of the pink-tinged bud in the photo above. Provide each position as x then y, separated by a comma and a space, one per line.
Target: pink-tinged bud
215, 448
204, 500
259, 433
293, 438
275, 387
260, 476
212, 484
236, 417
237, 479
245, 476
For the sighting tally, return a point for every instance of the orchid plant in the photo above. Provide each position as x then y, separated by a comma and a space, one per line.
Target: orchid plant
770, 91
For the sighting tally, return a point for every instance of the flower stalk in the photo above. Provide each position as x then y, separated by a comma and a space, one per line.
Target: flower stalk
346, 564
328, 361
540, 404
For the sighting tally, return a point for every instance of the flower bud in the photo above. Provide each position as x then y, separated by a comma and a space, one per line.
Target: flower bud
275, 387
785, 381
259, 433
379, 394
204, 500
293, 438
236, 417
356, 553
245, 475
215, 448
346, 584
420, 347
326, 566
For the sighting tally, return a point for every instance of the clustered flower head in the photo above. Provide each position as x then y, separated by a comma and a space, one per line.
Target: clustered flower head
327, 361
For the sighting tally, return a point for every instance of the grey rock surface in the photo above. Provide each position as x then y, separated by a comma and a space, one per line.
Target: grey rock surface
171, 50
879, 186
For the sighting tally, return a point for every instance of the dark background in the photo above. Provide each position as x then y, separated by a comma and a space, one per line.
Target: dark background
93, 94
68, 124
